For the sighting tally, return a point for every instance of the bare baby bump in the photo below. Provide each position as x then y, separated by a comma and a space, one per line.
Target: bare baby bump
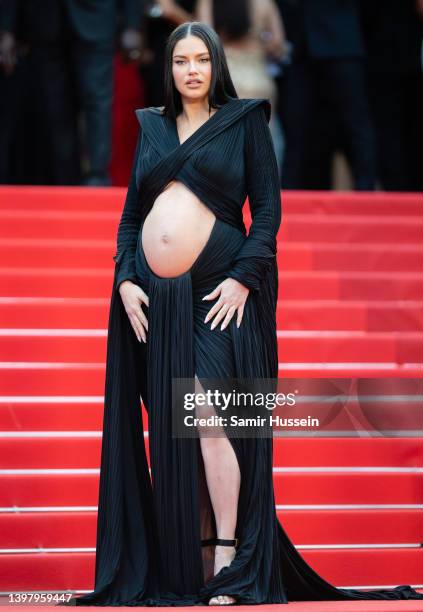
175, 231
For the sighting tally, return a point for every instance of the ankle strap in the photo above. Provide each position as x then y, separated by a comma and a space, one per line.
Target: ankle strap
220, 542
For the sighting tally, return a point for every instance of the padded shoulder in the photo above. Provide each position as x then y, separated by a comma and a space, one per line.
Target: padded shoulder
141, 113
251, 103
244, 105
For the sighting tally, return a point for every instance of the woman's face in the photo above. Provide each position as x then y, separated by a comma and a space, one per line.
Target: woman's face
191, 68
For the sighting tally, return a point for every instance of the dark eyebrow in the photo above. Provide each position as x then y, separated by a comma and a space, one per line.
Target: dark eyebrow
197, 55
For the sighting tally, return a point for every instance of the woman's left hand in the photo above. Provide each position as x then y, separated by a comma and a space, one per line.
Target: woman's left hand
233, 296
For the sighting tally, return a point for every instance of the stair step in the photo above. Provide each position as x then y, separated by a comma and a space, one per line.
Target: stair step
44, 449
46, 489
37, 197
343, 315
68, 224
75, 382
308, 256
97, 283
89, 346
78, 529
351, 203
404, 229
303, 314
340, 567
304, 256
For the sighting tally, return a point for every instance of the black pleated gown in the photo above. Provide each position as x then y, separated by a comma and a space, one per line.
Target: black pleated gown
149, 531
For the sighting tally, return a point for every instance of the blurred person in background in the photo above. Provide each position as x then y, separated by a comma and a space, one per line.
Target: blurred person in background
161, 18
324, 97
252, 33
71, 48
14, 74
92, 50
393, 32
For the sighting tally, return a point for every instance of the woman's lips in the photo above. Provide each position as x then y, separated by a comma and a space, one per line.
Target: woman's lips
193, 83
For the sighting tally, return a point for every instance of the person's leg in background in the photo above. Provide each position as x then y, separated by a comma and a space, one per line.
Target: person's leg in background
387, 102
12, 87
412, 111
57, 128
297, 102
41, 109
92, 64
55, 131
278, 139
344, 80
323, 137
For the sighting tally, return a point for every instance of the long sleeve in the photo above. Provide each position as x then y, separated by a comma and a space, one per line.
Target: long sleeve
129, 227
258, 252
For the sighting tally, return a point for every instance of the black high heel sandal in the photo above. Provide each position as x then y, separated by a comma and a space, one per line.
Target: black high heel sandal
221, 542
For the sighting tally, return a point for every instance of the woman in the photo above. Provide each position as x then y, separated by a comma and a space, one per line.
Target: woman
204, 531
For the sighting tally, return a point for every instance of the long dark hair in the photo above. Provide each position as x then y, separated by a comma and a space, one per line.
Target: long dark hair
221, 89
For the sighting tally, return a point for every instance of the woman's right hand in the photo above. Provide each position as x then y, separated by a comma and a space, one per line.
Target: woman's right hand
133, 297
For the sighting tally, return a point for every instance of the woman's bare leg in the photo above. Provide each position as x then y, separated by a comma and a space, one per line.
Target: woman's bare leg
223, 481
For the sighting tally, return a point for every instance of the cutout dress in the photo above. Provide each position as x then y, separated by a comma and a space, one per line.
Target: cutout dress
149, 531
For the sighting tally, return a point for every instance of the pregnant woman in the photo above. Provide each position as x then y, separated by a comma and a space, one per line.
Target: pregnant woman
194, 298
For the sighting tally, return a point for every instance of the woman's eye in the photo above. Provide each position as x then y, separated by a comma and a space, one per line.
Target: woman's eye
203, 59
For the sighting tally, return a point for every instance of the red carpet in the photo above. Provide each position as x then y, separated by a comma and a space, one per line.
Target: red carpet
351, 297
295, 606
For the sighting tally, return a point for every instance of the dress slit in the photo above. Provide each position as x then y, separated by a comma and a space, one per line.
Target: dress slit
209, 527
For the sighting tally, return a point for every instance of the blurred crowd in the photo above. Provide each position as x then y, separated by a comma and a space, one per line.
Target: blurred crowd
344, 78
